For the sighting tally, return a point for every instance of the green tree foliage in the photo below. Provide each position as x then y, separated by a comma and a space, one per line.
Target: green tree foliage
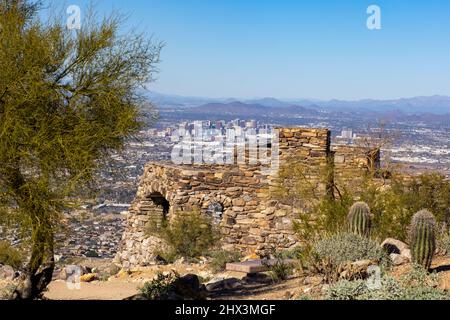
392, 202
67, 99
394, 205
189, 234
9, 255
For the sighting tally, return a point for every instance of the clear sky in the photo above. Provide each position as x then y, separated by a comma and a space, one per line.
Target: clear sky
295, 49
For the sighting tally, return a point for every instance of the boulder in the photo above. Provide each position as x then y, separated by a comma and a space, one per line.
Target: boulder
7, 273
225, 284
137, 297
394, 246
187, 287
398, 259
89, 277
398, 251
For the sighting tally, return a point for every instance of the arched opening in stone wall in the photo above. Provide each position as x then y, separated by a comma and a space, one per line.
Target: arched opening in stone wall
161, 203
156, 207
215, 211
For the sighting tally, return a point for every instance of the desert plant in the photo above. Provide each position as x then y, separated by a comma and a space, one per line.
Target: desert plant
10, 256
68, 101
189, 234
220, 258
423, 238
330, 255
6, 292
159, 287
293, 253
348, 247
358, 219
416, 285
280, 270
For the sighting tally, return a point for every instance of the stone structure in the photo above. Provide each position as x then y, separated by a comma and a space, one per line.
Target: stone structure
237, 196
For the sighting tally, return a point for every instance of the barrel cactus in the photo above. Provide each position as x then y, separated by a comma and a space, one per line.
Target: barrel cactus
359, 221
423, 238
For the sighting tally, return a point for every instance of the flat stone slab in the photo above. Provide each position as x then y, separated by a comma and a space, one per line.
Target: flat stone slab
254, 266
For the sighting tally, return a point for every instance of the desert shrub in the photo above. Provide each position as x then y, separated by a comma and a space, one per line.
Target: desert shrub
330, 218
416, 285
392, 205
348, 247
169, 256
281, 270
294, 185
91, 254
6, 292
10, 256
442, 239
294, 253
159, 287
188, 234
359, 290
220, 258
447, 245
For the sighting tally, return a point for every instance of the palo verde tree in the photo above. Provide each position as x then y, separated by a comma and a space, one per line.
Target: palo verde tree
68, 98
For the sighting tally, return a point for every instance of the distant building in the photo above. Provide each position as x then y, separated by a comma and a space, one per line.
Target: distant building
252, 124
346, 134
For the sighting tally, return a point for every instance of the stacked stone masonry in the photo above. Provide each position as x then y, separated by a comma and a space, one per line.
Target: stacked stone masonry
250, 220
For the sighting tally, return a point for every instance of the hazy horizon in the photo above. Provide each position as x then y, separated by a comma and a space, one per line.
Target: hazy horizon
246, 98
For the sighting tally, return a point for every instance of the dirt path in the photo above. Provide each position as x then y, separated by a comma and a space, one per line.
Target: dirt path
259, 289
119, 290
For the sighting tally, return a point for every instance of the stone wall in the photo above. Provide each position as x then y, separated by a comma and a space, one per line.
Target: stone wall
352, 163
250, 221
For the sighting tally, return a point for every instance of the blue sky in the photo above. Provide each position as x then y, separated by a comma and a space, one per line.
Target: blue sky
295, 49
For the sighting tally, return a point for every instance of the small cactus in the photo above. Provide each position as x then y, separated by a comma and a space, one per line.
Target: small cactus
358, 219
423, 239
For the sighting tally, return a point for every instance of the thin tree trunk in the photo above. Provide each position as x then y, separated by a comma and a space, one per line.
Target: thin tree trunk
39, 271
40, 267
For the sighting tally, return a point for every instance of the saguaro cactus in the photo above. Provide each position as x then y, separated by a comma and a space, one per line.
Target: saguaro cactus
358, 219
423, 239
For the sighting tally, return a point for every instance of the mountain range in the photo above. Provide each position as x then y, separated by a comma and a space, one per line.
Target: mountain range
415, 105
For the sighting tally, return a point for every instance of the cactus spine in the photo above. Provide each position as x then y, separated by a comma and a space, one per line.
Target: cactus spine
423, 239
358, 219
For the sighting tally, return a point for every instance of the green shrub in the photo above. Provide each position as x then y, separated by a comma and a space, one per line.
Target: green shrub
281, 270
10, 256
447, 245
328, 201
169, 256
416, 285
7, 291
220, 258
348, 247
297, 253
393, 207
359, 290
159, 287
91, 254
188, 234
